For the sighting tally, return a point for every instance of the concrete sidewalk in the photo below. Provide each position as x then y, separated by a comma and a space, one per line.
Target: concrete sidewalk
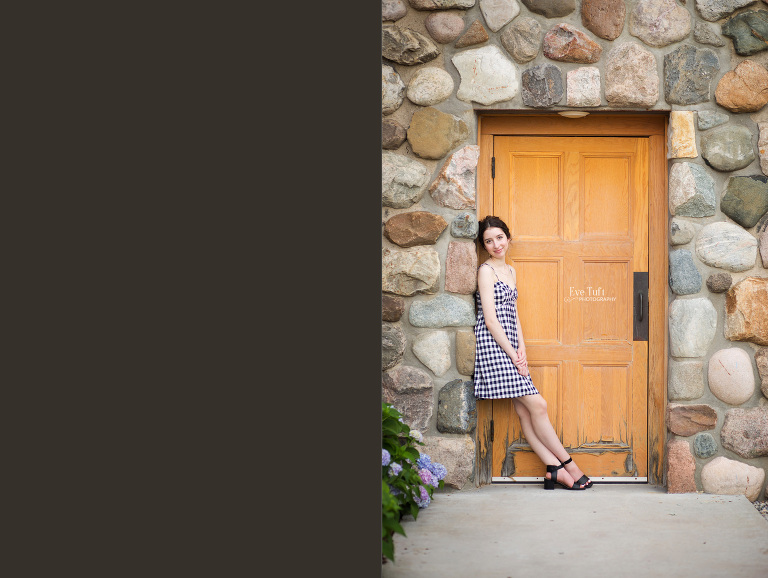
616, 530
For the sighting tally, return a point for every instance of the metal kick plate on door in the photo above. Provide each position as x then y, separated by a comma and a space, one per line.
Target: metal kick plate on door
640, 306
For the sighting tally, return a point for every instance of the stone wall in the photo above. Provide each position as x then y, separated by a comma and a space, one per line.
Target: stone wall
446, 61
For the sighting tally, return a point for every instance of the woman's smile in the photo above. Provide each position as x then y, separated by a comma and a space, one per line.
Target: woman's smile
496, 241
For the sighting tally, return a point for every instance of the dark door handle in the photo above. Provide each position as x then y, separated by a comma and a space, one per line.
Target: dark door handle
640, 323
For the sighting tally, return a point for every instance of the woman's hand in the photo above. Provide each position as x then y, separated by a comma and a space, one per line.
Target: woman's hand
521, 362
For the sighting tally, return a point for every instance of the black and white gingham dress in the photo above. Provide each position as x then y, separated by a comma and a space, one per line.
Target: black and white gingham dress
495, 374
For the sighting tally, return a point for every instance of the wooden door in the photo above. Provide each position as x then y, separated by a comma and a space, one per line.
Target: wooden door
577, 210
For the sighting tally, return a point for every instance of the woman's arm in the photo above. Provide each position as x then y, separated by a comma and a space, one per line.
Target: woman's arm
485, 279
522, 364
522, 359
520, 340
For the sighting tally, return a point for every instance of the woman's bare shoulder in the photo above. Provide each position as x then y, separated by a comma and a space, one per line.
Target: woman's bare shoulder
484, 272
484, 268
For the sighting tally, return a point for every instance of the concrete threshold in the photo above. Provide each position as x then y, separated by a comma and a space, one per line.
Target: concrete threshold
616, 530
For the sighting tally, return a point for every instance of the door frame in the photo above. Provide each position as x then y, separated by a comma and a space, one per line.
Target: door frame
654, 126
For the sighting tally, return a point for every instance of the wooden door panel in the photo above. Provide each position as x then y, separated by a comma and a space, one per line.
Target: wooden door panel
606, 315
538, 206
603, 391
605, 190
577, 208
539, 286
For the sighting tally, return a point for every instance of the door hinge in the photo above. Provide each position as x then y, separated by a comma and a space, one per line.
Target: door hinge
491, 430
493, 167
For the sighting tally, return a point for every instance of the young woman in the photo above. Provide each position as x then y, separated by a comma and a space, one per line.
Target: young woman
501, 367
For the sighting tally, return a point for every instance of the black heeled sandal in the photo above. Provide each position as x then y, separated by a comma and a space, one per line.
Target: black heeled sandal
583, 481
549, 483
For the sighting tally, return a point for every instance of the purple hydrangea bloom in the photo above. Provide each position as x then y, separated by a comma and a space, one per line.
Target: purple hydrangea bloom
423, 461
438, 470
395, 469
427, 477
394, 491
384, 457
423, 500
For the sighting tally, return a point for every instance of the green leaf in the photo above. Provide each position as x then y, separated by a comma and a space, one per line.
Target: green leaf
389, 428
388, 549
399, 529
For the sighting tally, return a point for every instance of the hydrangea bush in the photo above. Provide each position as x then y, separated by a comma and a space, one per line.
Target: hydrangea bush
408, 476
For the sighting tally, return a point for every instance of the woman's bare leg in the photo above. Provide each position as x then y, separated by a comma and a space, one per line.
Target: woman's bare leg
536, 444
541, 436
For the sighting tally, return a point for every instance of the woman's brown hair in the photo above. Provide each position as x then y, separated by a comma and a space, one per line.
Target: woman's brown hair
487, 223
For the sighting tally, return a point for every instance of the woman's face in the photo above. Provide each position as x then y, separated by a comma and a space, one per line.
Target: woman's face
495, 242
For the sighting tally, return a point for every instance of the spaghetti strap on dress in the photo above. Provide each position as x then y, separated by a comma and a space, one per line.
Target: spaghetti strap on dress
495, 375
